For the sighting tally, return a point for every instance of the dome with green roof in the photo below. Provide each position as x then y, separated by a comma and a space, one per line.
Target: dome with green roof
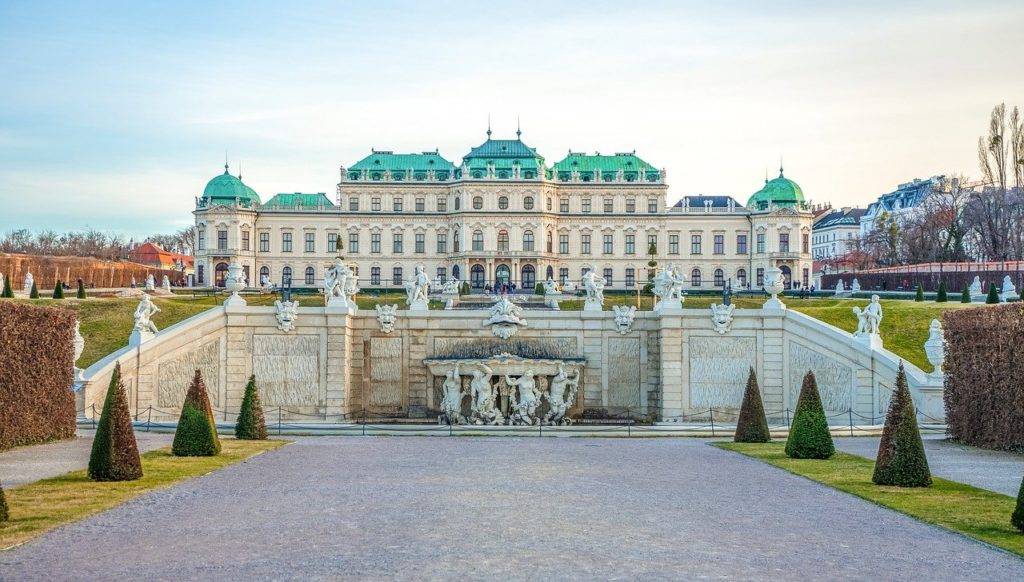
781, 192
226, 189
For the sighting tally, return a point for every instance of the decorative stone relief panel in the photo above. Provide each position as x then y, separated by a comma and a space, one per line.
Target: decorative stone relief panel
624, 372
835, 380
175, 375
547, 348
719, 367
385, 372
287, 369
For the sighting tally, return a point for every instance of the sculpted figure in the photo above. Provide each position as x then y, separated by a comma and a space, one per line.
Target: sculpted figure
417, 288
150, 282
79, 341
386, 317
28, 282
975, 288
525, 406
594, 286
721, 317
286, 312
144, 314
862, 322
550, 287
482, 395
624, 318
873, 315
335, 278
451, 399
450, 287
668, 285
561, 396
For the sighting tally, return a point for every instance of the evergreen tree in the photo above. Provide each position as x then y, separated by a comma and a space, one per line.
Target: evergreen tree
196, 435
752, 425
809, 437
538, 289
58, 290
7, 292
4, 513
993, 294
81, 289
901, 458
34, 293
919, 296
251, 424
465, 288
1017, 519
941, 296
115, 454
965, 295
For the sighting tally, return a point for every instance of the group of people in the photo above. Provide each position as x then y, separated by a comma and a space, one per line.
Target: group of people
500, 288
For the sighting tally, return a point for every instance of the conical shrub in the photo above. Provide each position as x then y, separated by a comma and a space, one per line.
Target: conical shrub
901, 459
115, 454
809, 437
251, 424
58, 290
919, 296
1017, 519
81, 289
941, 297
4, 511
965, 295
752, 424
993, 294
34, 293
196, 435
8, 291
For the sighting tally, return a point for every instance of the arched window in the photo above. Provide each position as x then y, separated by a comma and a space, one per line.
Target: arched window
528, 240
502, 240
458, 202
286, 276
503, 203
478, 240
741, 277
550, 272
719, 278
502, 275
456, 272
310, 275
529, 279
455, 241
695, 277
221, 272
528, 203
549, 203
264, 275
476, 276
550, 242
478, 202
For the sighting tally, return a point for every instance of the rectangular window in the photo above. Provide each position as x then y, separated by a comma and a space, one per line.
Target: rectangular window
760, 244
804, 243
310, 242
608, 276
421, 243
442, 204
783, 242
673, 244
694, 244
630, 244
396, 243
586, 206
652, 244
421, 205
442, 242
442, 274
806, 277
201, 243
741, 244
652, 205
563, 244
609, 205
375, 204
563, 205
630, 205
719, 244
760, 278
585, 244
264, 242
375, 242
286, 242
222, 240
332, 242
374, 275
245, 240
353, 243
396, 204
563, 275
630, 277
396, 276
607, 244
353, 204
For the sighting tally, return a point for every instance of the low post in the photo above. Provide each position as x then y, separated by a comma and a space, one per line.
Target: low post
149, 417
851, 421
711, 413
278, 421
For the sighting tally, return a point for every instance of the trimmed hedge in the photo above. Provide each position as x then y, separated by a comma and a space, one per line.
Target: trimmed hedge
196, 435
901, 459
4, 511
115, 454
538, 289
34, 293
251, 424
809, 437
8, 292
984, 391
58, 290
81, 290
752, 424
1017, 519
36, 362
993, 295
965, 295
941, 296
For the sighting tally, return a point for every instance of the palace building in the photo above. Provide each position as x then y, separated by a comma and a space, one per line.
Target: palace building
503, 216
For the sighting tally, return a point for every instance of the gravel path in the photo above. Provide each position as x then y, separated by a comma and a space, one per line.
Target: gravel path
27, 464
502, 508
993, 470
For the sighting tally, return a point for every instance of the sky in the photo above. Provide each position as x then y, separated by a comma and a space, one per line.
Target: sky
114, 115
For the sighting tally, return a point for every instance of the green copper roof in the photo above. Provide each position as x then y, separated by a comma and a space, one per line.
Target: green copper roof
226, 188
300, 199
609, 166
400, 165
504, 155
778, 192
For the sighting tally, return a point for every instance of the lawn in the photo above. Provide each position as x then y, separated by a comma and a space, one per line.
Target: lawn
41, 506
973, 512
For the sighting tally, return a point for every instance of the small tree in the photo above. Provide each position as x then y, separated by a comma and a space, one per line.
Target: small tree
901, 458
993, 294
752, 425
34, 293
465, 288
809, 437
4, 512
58, 290
7, 291
965, 295
538, 289
81, 289
251, 424
1017, 519
115, 454
941, 297
196, 435
919, 296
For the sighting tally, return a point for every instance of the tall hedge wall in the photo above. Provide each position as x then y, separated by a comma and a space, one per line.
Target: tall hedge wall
984, 393
36, 402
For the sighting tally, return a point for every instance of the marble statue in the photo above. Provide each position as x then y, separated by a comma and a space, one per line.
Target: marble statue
975, 289
1, 281
862, 322
166, 284
550, 287
79, 343
286, 312
855, 286
721, 317
450, 287
482, 394
336, 278
869, 319
775, 283
1009, 290
594, 287
265, 285
840, 288
935, 348
416, 290
150, 282
451, 399
29, 280
624, 316
524, 407
568, 287
560, 396
386, 317
505, 318
668, 287
144, 328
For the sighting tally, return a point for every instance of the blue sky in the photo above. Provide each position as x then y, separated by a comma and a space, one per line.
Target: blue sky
114, 115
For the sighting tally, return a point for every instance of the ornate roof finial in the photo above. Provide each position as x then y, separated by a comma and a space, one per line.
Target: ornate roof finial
488, 126
780, 165
766, 175
225, 162
519, 131
239, 171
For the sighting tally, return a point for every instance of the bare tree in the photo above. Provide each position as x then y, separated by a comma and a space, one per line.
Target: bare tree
992, 213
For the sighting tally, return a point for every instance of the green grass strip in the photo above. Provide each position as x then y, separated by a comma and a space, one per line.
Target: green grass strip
43, 505
973, 512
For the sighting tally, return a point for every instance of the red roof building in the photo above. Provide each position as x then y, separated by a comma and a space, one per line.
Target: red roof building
154, 256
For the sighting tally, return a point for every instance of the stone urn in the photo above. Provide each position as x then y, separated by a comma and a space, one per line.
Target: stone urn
774, 283
235, 282
935, 347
